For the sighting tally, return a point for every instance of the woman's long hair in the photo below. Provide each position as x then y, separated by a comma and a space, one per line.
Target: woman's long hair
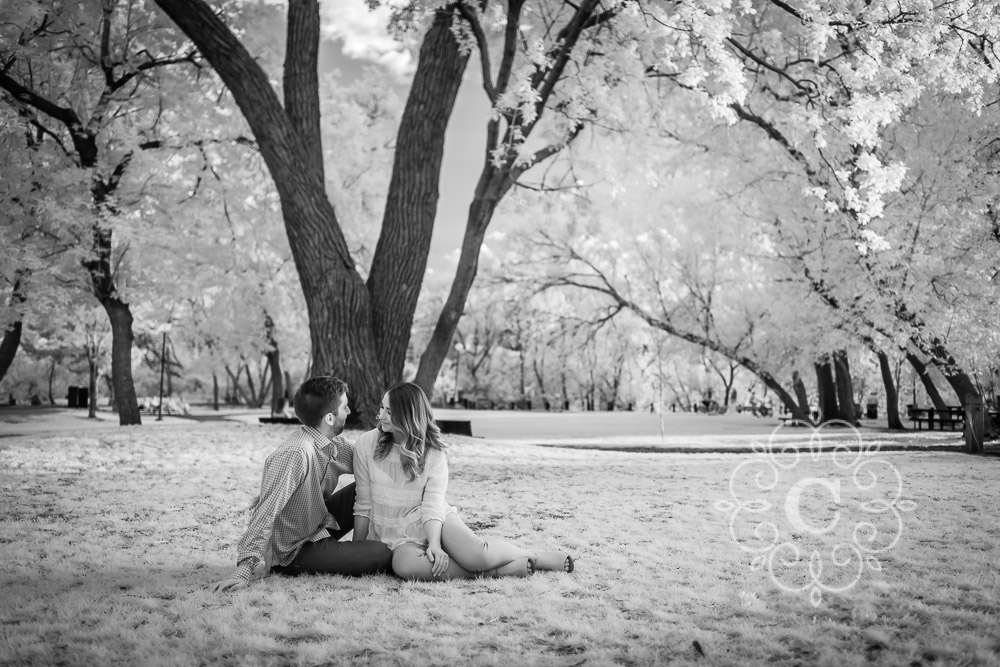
410, 413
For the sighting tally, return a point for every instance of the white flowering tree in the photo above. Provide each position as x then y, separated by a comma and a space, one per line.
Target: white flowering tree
835, 87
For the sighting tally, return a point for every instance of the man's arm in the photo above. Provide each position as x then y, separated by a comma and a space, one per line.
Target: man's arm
283, 473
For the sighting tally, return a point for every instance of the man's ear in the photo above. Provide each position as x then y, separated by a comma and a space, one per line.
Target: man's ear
329, 418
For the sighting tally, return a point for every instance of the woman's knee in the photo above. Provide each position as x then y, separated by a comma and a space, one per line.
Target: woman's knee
473, 554
410, 564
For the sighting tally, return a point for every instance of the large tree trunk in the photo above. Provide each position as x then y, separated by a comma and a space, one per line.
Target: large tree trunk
891, 394
277, 388
923, 373
495, 180
9, 346
52, 376
798, 413
92, 384
215, 391
120, 315
400, 259
827, 390
959, 380
336, 297
845, 388
12, 336
491, 187
799, 387
121, 361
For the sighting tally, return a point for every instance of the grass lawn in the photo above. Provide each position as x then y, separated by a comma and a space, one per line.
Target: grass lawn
109, 539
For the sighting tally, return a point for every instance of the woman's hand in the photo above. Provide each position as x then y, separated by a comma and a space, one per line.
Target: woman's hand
439, 560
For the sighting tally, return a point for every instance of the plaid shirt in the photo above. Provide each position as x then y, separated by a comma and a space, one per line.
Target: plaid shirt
291, 510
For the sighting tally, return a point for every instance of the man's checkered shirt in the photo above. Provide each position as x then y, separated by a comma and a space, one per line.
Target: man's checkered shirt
291, 509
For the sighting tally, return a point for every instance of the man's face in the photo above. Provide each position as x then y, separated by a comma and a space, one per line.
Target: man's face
339, 417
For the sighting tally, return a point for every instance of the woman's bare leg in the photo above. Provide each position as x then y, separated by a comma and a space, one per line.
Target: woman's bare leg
557, 561
410, 561
479, 555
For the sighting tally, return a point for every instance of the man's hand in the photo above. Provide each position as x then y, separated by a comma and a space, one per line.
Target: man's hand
439, 560
228, 585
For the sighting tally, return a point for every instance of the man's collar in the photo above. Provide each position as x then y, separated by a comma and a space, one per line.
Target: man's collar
322, 441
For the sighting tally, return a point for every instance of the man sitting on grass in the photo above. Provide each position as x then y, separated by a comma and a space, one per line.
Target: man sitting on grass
297, 521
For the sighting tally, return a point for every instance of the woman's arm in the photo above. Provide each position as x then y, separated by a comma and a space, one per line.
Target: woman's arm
437, 555
362, 489
433, 508
433, 505
360, 528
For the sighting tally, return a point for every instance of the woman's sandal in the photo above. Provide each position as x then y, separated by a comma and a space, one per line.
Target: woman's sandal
556, 561
521, 567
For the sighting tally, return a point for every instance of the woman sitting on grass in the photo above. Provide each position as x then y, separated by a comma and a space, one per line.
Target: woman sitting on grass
401, 474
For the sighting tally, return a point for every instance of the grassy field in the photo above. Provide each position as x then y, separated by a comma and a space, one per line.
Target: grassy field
109, 539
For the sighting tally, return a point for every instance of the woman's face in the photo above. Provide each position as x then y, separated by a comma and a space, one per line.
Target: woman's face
385, 417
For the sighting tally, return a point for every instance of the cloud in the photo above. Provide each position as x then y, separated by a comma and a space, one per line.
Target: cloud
364, 33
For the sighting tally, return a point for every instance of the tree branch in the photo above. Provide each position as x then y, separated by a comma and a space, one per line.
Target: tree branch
65, 115
509, 45
189, 57
484, 49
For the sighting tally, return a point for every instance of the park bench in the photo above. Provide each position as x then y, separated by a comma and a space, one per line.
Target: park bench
453, 426
953, 416
280, 420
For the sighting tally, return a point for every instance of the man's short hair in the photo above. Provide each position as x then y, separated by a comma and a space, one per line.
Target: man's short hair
318, 396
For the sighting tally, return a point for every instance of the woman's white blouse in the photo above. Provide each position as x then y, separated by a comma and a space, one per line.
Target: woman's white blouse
396, 507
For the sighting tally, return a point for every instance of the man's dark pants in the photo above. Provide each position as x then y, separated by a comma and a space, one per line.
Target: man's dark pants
330, 556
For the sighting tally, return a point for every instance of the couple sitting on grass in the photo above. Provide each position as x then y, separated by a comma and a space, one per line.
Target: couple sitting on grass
396, 506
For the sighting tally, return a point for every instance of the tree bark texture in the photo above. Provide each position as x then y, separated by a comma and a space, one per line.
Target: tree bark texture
277, 388
491, 188
121, 361
799, 387
400, 259
827, 389
845, 388
52, 377
92, 384
923, 373
494, 182
336, 298
959, 380
104, 289
9, 346
12, 336
301, 80
891, 393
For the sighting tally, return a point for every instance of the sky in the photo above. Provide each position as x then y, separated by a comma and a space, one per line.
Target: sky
354, 37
